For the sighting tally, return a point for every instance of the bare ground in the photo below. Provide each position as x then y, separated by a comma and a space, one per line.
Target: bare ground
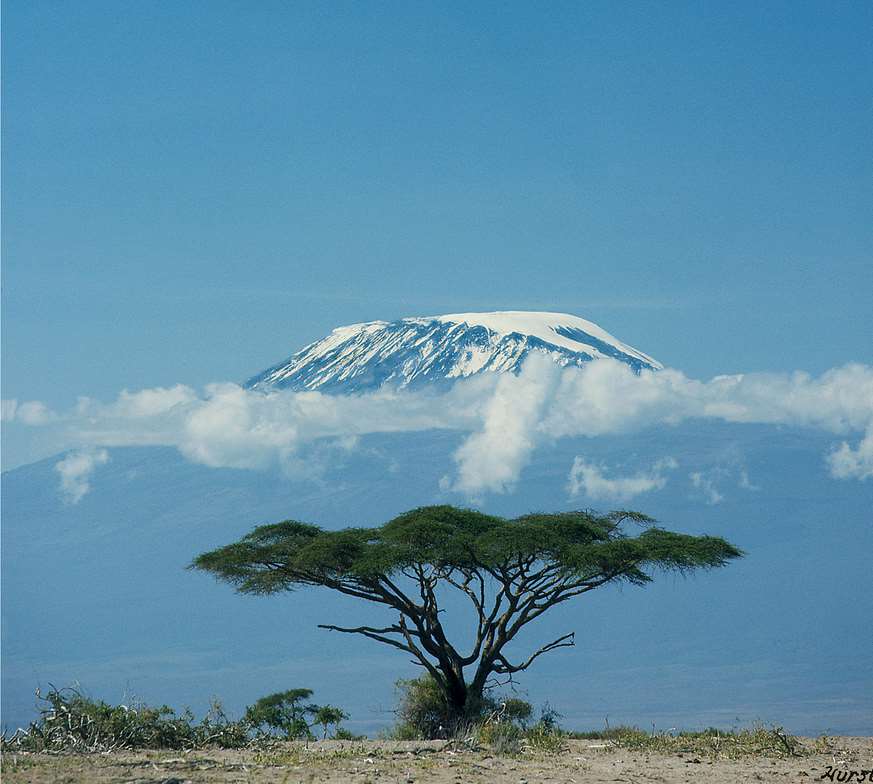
387, 762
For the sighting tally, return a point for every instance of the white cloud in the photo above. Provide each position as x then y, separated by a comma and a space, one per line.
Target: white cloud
589, 479
151, 402
706, 484
31, 412
848, 463
8, 408
745, 483
506, 418
228, 426
493, 457
75, 471
606, 397
34, 413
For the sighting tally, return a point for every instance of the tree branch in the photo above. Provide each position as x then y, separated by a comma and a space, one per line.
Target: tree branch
375, 634
414, 649
503, 667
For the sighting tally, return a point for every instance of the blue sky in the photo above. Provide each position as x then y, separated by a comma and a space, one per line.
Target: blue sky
192, 190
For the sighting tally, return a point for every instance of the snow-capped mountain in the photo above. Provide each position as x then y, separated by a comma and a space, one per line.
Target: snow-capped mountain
436, 348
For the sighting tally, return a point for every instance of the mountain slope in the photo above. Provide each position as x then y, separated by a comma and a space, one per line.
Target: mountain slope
437, 348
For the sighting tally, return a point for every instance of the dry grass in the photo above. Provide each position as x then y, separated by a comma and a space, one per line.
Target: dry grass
713, 743
659, 758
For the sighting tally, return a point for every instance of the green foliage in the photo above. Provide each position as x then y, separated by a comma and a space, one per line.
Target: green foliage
217, 729
283, 712
422, 710
506, 730
549, 718
327, 715
342, 733
72, 722
516, 711
423, 713
546, 735
503, 738
279, 556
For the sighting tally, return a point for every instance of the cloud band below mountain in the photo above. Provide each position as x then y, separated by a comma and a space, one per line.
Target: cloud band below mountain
507, 417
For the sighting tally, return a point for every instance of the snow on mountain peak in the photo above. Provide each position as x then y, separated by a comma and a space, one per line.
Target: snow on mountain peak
433, 349
550, 327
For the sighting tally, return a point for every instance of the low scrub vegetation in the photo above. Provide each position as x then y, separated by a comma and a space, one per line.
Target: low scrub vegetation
711, 742
503, 724
72, 722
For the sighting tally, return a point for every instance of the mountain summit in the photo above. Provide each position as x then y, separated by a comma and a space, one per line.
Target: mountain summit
412, 351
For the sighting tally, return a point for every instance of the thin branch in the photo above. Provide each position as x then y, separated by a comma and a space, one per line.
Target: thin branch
390, 590
367, 632
394, 629
503, 667
543, 599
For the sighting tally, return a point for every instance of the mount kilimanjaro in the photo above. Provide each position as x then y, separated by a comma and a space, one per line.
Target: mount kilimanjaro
431, 349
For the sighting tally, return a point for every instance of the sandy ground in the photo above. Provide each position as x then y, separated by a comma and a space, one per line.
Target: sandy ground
388, 762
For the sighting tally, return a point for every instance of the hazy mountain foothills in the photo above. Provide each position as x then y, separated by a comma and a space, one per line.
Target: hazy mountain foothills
118, 612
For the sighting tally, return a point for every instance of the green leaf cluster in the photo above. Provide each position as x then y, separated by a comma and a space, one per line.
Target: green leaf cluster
581, 543
285, 712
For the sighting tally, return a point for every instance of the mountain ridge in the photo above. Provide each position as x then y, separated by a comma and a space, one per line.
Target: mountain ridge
434, 349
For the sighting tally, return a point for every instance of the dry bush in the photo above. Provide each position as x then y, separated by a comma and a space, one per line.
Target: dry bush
71, 722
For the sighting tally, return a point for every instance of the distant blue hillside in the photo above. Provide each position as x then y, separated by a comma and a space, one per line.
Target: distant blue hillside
99, 593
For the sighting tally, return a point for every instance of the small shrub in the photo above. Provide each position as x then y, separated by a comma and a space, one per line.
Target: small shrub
545, 739
506, 732
516, 711
343, 734
422, 712
501, 724
503, 738
609, 733
217, 729
285, 713
546, 735
549, 717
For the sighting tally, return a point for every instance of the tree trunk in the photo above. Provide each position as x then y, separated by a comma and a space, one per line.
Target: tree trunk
464, 700
457, 696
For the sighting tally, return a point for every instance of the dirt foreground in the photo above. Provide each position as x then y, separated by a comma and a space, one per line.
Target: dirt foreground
387, 762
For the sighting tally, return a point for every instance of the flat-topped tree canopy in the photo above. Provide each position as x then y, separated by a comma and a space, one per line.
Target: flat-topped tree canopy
512, 571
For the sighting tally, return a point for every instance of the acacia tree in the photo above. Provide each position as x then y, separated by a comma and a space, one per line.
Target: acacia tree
511, 571
325, 715
283, 711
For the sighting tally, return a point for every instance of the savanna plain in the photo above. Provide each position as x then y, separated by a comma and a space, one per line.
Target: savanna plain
761, 755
